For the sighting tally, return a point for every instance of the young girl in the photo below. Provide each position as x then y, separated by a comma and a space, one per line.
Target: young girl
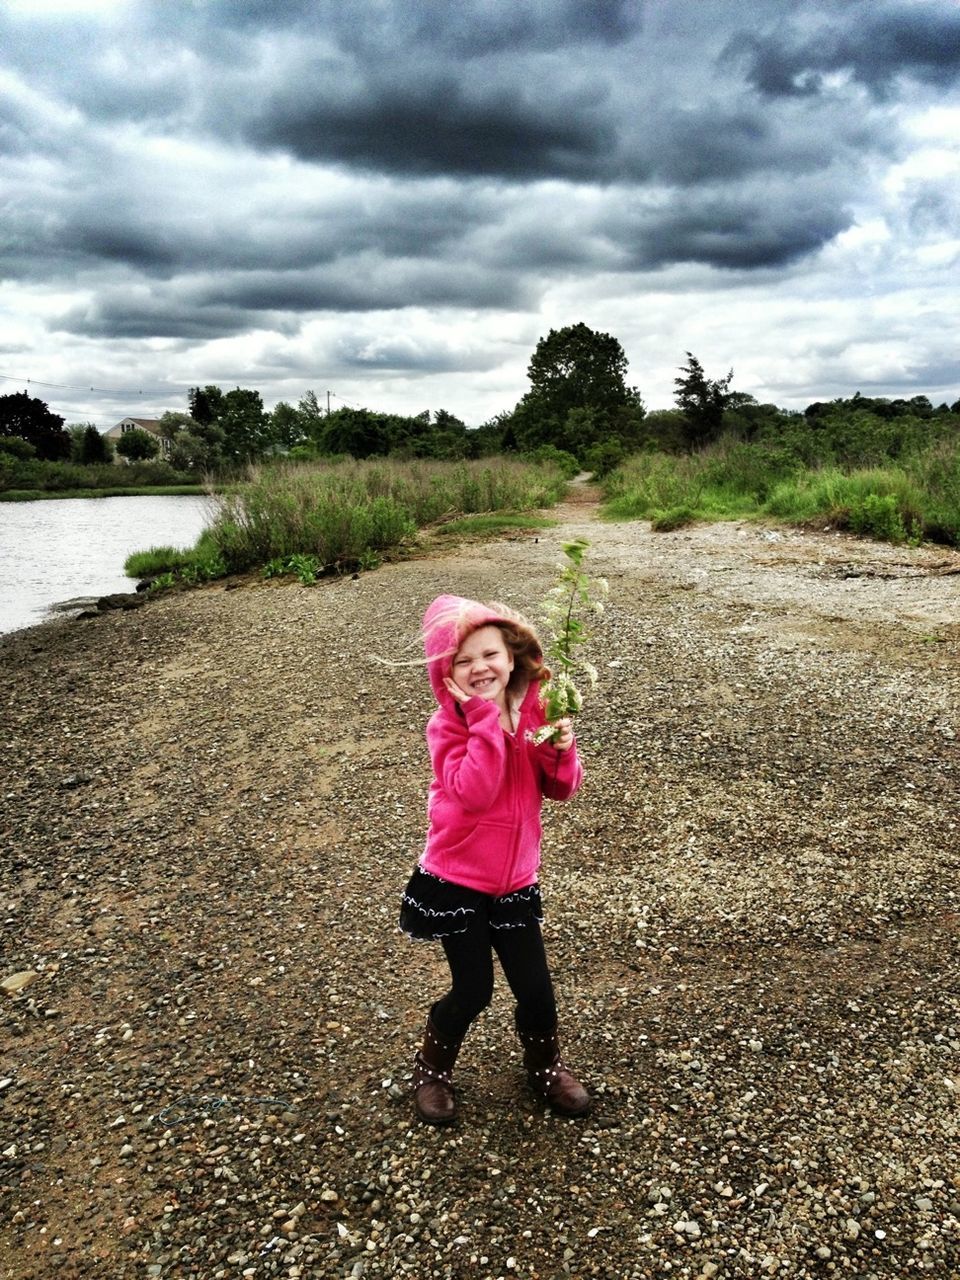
475, 888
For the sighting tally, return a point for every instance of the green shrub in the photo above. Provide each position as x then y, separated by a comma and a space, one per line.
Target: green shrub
72, 477
17, 447
879, 517
675, 518
600, 459
549, 455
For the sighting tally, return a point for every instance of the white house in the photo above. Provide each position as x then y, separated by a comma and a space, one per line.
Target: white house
140, 424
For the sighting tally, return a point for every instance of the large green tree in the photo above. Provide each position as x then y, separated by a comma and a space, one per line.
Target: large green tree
173, 422
359, 432
578, 394
579, 368
30, 419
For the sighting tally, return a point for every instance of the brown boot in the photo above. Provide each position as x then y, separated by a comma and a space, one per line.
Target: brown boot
549, 1077
433, 1077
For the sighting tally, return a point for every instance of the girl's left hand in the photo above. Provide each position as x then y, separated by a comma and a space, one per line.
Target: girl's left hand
563, 739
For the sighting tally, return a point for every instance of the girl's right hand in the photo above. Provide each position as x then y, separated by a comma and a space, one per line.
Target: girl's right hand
455, 691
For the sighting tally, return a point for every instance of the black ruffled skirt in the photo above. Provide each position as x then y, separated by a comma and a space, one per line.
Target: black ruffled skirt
433, 908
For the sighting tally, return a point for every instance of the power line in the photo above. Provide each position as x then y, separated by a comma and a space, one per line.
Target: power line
342, 401
66, 386
123, 391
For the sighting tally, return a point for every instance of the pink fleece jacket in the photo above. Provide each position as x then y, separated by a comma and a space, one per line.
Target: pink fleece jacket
488, 785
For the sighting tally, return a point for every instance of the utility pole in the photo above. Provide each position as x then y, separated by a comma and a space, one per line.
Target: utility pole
328, 404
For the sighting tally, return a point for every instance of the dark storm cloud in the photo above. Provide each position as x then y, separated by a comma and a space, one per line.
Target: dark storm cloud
150, 250
435, 125
875, 43
214, 307
730, 235
628, 111
116, 224
764, 226
133, 314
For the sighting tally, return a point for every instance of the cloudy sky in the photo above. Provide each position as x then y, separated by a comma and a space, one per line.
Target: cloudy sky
393, 200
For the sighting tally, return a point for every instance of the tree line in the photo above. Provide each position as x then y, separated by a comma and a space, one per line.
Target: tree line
579, 410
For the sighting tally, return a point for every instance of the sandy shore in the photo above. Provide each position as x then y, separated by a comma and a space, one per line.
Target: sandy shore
209, 808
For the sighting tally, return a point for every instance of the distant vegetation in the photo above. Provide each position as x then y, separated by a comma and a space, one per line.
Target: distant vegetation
889, 468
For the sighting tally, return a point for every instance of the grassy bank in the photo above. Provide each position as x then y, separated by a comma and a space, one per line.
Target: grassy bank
28, 479
913, 499
311, 519
119, 491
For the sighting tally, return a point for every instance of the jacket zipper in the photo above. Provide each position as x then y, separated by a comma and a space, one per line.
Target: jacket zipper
514, 764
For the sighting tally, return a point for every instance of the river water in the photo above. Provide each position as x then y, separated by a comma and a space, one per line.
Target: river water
59, 549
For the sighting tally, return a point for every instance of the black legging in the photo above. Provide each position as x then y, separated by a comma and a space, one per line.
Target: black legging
524, 962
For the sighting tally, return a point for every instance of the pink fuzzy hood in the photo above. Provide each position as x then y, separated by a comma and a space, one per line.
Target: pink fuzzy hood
446, 624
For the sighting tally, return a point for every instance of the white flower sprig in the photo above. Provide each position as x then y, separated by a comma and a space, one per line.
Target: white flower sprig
574, 595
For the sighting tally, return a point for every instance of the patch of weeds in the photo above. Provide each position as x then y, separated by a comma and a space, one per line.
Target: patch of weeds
672, 518
304, 568
203, 568
162, 582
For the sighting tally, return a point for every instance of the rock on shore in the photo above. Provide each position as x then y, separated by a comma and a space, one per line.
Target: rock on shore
209, 807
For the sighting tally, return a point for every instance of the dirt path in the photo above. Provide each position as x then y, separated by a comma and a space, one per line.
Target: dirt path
209, 808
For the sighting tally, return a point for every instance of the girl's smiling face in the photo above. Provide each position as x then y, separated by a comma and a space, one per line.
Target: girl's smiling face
482, 666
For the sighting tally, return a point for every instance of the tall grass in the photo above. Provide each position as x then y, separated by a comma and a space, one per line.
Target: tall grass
338, 515
917, 497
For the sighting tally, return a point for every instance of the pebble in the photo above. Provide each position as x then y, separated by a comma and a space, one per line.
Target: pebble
14, 983
687, 1227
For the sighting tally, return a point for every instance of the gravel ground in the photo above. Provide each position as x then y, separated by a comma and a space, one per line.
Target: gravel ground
209, 808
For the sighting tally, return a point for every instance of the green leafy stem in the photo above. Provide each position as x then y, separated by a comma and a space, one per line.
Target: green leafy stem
574, 597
